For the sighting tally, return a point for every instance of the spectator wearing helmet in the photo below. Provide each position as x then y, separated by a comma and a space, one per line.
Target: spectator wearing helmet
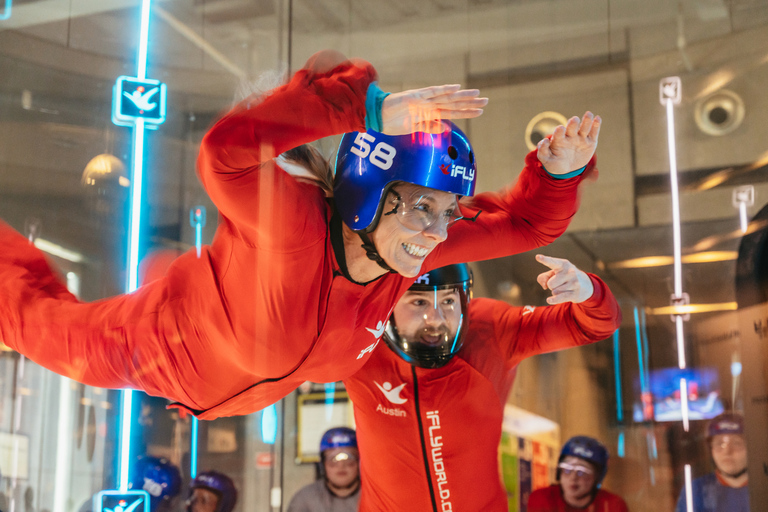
429, 407
581, 468
726, 489
212, 491
297, 286
338, 490
160, 478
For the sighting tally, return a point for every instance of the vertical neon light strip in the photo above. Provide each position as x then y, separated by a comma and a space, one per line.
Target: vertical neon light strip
688, 489
677, 250
743, 216
133, 243
198, 225
640, 357
617, 375
684, 403
193, 449
7, 12
675, 199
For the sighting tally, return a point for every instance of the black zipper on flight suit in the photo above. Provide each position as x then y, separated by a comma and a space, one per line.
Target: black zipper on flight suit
421, 438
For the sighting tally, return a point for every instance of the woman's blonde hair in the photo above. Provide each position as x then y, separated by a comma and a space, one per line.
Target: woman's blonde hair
310, 158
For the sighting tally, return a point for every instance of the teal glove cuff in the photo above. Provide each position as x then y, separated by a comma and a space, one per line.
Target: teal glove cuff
374, 98
566, 176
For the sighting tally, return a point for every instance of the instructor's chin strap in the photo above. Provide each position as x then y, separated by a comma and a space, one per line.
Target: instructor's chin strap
373, 253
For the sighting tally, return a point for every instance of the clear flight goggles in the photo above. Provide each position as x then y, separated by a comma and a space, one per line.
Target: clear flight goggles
579, 471
419, 212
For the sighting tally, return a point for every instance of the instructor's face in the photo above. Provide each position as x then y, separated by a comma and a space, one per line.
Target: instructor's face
428, 317
414, 220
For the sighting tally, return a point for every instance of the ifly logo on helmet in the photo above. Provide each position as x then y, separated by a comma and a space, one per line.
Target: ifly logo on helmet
454, 170
728, 426
582, 451
423, 279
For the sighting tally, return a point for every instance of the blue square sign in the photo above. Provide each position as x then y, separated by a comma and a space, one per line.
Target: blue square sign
135, 98
121, 501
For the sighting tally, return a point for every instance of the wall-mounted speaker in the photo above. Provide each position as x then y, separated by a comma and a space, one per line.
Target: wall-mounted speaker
719, 113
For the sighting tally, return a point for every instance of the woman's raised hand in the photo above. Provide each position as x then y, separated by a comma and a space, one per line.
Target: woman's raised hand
571, 146
420, 110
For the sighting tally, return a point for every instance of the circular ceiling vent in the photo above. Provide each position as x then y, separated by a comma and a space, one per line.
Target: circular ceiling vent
719, 113
540, 126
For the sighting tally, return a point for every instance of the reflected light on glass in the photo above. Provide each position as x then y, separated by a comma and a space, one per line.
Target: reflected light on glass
711, 241
694, 308
735, 368
661, 261
58, 251
714, 180
717, 81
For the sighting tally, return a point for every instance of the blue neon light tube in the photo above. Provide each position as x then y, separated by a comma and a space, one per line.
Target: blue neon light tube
617, 375
133, 244
6, 13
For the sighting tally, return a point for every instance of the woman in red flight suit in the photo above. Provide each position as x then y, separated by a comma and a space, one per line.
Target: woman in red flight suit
429, 410
286, 292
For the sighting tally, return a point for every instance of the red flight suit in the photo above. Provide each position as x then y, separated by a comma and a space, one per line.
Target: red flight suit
266, 306
429, 438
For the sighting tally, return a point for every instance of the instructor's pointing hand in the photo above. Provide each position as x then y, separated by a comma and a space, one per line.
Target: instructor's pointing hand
568, 283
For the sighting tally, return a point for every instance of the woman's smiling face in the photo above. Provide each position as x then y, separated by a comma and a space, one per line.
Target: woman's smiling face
414, 220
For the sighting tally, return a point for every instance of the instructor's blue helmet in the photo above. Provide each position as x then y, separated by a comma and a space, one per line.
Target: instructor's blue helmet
157, 476
588, 449
218, 483
368, 163
434, 355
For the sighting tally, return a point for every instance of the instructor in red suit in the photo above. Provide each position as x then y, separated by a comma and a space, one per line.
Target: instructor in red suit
429, 406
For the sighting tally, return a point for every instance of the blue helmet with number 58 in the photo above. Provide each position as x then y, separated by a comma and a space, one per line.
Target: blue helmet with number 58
368, 163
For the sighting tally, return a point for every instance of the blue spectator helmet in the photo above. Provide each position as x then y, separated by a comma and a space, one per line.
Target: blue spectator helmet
588, 449
338, 437
419, 347
726, 423
157, 476
219, 484
368, 163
